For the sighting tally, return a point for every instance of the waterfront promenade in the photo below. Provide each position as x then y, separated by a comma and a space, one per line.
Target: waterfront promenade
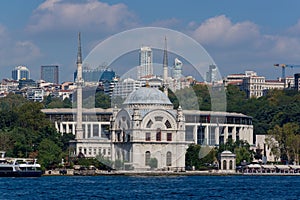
257, 172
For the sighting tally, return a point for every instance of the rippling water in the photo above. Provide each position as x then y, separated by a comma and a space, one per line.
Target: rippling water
177, 187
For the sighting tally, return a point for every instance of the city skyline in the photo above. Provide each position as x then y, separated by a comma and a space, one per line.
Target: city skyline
239, 36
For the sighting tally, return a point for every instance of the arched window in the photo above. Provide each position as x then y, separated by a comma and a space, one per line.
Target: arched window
147, 157
169, 158
224, 164
230, 164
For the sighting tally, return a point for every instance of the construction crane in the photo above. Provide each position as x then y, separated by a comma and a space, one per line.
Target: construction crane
283, 66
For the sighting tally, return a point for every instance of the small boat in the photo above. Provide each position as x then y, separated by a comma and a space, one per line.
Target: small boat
19, 167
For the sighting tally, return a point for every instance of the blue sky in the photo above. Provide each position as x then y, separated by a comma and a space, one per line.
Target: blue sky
239, 35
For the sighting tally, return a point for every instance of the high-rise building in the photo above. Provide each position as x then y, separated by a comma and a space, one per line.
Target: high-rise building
145, 68
177, 69
49, 73
212, 74
20, 72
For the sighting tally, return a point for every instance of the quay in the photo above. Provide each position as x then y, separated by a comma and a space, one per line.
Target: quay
72, 172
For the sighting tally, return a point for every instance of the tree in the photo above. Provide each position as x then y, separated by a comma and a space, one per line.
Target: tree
105, 163
274, 146
240, 148
102, 100
49, 153
235, 98
192, 156
200, 157
288, 141
187, 99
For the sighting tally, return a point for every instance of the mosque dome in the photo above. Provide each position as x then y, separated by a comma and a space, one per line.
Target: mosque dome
147, 96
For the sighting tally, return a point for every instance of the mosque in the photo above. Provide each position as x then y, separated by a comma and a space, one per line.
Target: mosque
146, 128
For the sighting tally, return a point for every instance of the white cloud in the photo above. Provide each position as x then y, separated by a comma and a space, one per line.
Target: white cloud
55, 15
236, 45
220, 31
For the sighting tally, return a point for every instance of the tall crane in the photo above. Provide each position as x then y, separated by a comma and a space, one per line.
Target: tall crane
283, 66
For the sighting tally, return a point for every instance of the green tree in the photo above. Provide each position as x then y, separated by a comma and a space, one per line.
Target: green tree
203, 96
102, 100
200, 156
67, 103
187, 99
288, 140
240, 148
236, 98
106, 164
49, 153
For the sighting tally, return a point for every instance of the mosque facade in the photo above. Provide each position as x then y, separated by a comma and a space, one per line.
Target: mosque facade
147, 127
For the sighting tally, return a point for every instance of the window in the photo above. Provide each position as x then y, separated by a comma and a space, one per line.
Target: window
147, 157
168, 124
230, 164
224, 164
90, 151
104, 152
95, 130
88, 130
169, 158
149, 124
158, 135
95, 151
100, 151
108, 151
148, 136
169, 136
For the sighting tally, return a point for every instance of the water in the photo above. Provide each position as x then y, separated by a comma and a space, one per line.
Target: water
177, 187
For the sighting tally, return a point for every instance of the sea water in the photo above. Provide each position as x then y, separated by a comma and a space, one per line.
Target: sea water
156, 187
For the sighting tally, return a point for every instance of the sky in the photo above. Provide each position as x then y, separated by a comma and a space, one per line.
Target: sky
238, 35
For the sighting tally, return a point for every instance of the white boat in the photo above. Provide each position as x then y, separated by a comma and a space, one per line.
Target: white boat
19, 167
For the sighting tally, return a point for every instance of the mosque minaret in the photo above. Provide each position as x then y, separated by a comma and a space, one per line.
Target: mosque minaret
79, 83
165, 68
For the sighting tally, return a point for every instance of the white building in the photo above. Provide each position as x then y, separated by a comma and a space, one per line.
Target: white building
212, 74
146, 59
20, 72
124, 87
261, 143
35, 94
177, 69
257, 86
148, 127
254, 86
